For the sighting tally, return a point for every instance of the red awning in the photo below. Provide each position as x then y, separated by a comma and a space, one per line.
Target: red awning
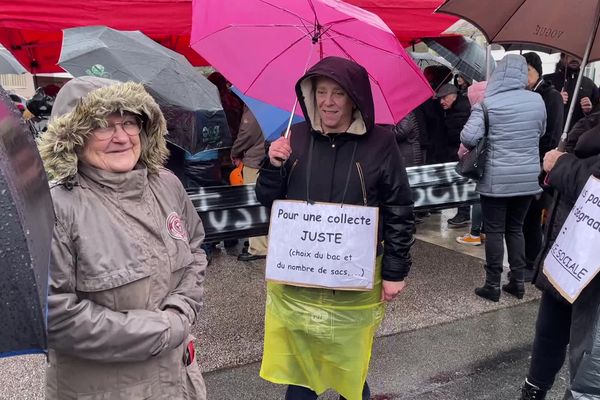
32, 29
410, 20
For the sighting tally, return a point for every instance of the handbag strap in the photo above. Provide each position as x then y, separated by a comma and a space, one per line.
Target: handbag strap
486, 119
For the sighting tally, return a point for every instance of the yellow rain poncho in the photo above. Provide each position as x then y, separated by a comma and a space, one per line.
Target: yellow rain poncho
321, 338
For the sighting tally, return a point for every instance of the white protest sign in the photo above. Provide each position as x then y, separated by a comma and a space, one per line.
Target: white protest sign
574, 259
322, 245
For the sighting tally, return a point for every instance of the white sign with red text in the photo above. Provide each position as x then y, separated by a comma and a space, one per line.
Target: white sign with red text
322, 245
574, 259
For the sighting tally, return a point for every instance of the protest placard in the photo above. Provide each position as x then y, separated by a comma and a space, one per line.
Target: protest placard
322, 245
574, 259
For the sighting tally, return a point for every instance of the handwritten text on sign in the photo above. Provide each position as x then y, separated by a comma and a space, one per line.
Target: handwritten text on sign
573, 260
322, 245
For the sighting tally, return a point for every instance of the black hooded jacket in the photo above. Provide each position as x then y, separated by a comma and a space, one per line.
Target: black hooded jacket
455, 119
554, 113
568, 177
361, 166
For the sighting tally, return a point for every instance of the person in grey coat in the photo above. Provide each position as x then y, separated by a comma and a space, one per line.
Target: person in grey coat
517, 119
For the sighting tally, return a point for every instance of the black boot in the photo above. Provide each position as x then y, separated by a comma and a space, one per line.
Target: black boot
489, 292
531, 392
491, 289
515, 288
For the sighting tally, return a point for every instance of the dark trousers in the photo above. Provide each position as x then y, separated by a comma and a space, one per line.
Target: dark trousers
464, 211
532, 232
301, 393
476, 220
503, 218
550, 342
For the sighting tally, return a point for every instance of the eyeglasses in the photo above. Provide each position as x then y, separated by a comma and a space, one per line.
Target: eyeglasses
132, 127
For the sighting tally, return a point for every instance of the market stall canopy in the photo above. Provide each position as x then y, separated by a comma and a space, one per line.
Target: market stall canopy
410, 20
32, 29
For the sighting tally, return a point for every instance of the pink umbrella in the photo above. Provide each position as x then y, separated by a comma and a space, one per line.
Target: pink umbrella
264, 46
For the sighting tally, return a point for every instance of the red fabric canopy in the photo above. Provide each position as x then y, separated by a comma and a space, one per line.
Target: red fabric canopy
32, 29
410, 20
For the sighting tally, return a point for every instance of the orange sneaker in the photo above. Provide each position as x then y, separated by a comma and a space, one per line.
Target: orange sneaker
469, 240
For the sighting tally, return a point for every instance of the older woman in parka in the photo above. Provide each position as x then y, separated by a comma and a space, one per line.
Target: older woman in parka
337, 156
126, 269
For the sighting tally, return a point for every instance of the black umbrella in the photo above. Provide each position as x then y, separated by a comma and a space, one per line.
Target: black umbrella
463, 53
424, 60
9, 64
26, 223
190, 102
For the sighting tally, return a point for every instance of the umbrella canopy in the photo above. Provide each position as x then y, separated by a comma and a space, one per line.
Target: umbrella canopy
570, 26
462, 53
27, 221
264, 47
424, 60
190, 102
9, 64
272, 120
564, 25
32, 29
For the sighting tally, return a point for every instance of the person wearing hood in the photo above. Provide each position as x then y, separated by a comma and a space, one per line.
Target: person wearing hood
126, 272
565, 79
462, 83
532, 226
517, 119
338, 155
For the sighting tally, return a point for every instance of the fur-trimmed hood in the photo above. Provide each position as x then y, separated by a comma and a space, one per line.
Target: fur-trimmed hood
82, 105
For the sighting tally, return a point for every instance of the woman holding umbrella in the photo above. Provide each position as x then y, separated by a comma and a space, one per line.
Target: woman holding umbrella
337, 156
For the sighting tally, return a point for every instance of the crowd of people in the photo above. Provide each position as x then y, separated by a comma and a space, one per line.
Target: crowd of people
128, 251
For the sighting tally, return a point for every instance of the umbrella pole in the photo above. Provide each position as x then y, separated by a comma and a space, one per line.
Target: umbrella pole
287, 130
586, 57
488, 62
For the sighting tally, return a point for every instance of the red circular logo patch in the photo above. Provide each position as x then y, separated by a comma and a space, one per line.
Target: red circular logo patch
175, 227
